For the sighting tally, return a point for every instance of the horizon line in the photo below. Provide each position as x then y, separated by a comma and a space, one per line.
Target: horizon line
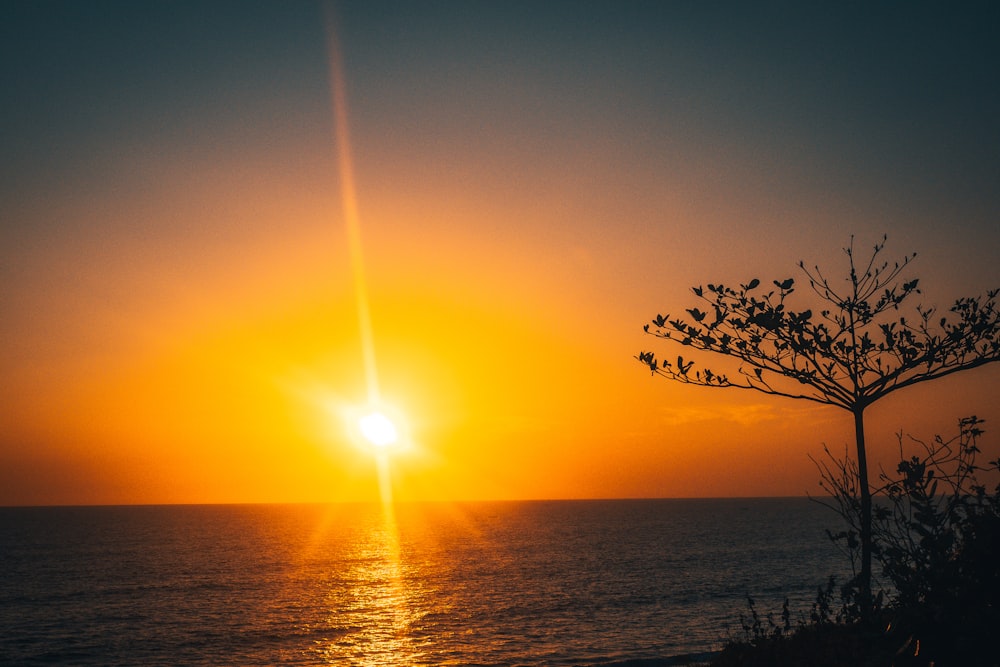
407, 502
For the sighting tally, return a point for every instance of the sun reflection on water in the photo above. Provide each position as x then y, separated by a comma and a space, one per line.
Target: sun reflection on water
373, 617
373, 614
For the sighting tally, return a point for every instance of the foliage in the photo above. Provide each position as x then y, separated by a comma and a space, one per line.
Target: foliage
812, 646
754, 631
936, 539
853, 350
825, 641
849, 354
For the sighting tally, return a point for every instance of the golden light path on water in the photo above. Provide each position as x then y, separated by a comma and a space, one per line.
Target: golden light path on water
378, 598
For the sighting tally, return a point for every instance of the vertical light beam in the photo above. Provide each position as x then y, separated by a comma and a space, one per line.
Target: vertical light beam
349, 203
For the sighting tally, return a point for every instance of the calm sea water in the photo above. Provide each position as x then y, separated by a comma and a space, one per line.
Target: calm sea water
526, 583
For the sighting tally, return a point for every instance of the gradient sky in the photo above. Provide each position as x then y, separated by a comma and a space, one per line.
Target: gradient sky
535, 181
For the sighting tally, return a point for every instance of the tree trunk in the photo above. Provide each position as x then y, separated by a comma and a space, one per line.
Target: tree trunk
865, 576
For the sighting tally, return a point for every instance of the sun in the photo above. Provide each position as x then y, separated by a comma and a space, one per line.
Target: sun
375, 427
378, 429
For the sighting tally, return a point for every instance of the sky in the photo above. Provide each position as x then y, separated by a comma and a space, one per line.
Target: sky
534, 181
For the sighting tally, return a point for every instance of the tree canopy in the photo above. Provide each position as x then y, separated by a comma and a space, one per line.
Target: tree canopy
855, 350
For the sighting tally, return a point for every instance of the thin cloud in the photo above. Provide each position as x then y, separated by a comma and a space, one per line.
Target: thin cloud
743, 415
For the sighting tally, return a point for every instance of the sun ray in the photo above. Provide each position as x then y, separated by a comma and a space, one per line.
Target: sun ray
349, 205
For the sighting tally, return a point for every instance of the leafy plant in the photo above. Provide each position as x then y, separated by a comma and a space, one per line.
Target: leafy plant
936, 539
755, 632
936, 536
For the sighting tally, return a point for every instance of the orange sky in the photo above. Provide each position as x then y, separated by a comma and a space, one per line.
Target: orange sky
178, 309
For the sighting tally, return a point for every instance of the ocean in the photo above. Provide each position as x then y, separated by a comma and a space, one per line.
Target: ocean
603, 582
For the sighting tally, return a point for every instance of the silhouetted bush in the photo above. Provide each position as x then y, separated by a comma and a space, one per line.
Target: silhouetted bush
937, 541
939, 548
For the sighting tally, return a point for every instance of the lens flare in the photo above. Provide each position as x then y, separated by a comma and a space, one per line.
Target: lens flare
377, 429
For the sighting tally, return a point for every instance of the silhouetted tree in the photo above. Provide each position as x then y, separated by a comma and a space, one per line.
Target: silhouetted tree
854, 351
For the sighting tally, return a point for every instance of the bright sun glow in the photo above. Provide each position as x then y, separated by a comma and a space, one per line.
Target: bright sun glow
378, 429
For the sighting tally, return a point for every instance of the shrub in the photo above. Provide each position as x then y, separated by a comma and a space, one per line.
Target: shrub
936, 538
